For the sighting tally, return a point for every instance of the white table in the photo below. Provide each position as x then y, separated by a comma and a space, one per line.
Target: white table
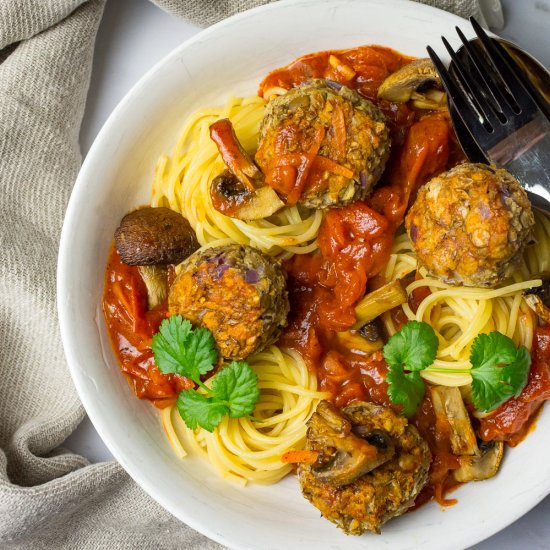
134, 35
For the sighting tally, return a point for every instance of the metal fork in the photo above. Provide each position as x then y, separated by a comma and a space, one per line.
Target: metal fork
499, 112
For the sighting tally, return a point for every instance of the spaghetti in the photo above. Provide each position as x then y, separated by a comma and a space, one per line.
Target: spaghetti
182, 183
250, 449
459, 314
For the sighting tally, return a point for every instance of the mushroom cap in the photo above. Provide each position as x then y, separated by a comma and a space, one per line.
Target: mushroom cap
418, 75
481, 466
230, 197
351, 455
155, 236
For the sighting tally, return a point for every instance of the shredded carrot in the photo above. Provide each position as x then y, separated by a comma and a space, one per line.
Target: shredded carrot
300, 457
323, 163
339, 127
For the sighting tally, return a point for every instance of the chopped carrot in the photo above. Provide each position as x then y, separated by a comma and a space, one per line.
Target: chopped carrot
339, 136
323, 163
300, 457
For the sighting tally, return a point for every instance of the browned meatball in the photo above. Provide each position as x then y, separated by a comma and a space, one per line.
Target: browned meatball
236, 292
353, 487
351, 156
470, 225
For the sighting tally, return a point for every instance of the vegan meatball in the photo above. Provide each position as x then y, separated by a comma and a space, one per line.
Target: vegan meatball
329, 142
470, 225
371, 465
236, 292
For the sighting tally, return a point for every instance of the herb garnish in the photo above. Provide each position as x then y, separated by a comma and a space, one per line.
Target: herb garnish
499, 370
180, 349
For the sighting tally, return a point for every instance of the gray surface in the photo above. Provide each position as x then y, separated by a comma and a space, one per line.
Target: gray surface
134, 35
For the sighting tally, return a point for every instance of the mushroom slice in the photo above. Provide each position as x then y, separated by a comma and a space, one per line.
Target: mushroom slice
483, 466
448, 406
155, 278
417, 81
240, 191
538, 298
344, 456
358, 343
233, 154
155, 236
230, 197
379, 301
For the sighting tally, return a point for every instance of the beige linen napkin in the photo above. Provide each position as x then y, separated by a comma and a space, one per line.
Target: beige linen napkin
50, 497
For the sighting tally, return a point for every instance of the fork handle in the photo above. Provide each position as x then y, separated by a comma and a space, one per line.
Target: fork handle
526, 155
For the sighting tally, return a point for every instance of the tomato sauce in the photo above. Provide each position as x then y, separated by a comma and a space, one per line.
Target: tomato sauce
363, 68
354, 245
355, 241
511, 421
131, 326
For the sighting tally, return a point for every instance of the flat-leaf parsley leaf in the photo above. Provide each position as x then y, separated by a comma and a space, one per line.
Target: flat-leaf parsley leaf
180, 349
499, 370
412, 349
198, 410
237, 385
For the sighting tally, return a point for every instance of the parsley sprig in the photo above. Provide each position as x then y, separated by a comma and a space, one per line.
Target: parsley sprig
180, 349
499, 370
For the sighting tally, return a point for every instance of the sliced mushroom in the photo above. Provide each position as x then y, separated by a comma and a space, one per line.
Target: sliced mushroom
233, 154
373, 331
345, 455
240, 191
417, 81
155, 278
483, 466
230, 197
379, 301
448, 405
357, 343
154, 236
538, 298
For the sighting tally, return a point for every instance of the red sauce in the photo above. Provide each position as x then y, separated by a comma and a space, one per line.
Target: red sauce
131, 326
354, 244
436, 432
511, 421
369, 65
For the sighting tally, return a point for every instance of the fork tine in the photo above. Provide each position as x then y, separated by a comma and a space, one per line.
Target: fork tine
467, 110
504, 68
476, 94
500, 103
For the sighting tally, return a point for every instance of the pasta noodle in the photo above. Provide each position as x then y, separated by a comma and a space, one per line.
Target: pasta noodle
242, 449
249, 450
459, 314
182, 183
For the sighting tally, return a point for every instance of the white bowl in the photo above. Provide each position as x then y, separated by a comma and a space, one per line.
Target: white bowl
230, 59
